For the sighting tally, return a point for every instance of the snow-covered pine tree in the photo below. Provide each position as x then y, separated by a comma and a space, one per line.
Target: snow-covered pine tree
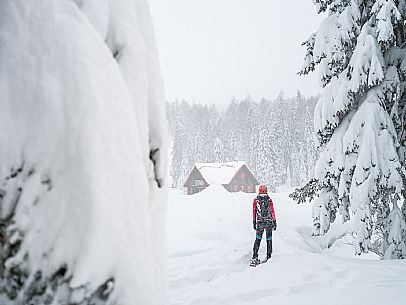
265, 158
279, 131
395, 240
359, 49
251, 134
245, 124
82, 154
264, 146
178, 151
297, 119
218, 150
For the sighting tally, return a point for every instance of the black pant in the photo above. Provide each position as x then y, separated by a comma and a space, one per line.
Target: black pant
261, 227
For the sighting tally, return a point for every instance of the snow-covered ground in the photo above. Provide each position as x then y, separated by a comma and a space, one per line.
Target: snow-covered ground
210, 239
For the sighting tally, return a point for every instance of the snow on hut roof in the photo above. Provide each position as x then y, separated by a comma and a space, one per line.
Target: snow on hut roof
219, 173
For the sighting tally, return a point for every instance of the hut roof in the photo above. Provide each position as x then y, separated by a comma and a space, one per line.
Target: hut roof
219, 173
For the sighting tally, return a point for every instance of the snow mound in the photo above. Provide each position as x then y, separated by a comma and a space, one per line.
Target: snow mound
214, 189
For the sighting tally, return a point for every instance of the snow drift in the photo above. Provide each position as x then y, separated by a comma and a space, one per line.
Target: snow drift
82, 146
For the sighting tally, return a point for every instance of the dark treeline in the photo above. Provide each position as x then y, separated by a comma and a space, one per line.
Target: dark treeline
274, 137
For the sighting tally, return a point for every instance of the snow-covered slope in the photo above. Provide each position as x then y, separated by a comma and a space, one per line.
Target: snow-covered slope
210, 239
82, 132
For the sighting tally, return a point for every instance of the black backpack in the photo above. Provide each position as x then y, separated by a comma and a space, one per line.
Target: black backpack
263, 208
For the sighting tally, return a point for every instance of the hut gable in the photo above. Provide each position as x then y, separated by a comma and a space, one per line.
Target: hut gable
234, 176
243, 180
195, 177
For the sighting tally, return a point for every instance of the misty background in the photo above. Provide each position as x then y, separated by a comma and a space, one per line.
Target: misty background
214, 50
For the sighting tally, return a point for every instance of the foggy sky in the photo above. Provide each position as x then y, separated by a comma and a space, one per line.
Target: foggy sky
213, 50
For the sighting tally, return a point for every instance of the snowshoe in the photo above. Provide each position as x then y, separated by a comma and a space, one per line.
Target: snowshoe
255, 262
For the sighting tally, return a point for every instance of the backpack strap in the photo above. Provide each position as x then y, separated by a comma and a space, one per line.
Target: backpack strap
272, 209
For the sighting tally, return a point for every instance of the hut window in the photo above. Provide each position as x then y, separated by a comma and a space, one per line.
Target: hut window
235, 189
242, 176
199, 182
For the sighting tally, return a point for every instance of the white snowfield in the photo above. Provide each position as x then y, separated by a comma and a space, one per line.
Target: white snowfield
210, 239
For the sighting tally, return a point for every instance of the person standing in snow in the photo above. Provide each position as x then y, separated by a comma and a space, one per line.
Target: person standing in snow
263, 220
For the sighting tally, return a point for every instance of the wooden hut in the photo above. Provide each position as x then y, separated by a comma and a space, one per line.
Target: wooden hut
233, 176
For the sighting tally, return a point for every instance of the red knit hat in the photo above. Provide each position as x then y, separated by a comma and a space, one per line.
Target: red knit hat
263, 189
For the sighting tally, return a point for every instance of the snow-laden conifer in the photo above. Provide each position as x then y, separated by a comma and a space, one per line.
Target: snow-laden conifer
396, 245
359, 119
